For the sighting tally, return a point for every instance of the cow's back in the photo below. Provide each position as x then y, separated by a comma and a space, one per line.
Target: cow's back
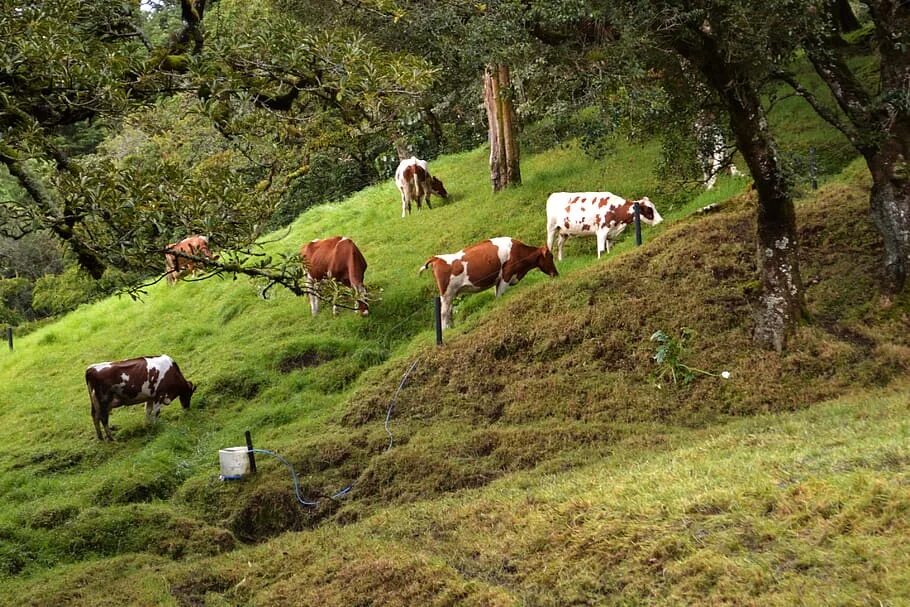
580, 212
336, 257
125, 379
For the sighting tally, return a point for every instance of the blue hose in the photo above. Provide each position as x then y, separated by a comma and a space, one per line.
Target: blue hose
341, 493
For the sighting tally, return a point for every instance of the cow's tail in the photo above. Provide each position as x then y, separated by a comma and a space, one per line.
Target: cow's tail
426, 265
93, 398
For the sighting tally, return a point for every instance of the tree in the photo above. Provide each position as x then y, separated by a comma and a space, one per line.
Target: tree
504, 148
722, 46
876, 121
269, 90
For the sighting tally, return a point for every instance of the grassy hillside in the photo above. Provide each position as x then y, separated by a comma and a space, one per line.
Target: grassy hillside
535, 458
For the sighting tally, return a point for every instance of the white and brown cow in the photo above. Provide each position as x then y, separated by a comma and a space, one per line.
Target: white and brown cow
337, 258
416, 184
601, 214
153, 380
499, 262
175, 267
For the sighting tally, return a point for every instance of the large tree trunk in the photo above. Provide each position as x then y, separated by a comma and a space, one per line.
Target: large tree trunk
890, 207
879, 129
504, 151
781, 306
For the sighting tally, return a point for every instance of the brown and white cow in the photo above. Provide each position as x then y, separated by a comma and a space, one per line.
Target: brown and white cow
176, 267
499, 262
153, 380
416, 184
601, 214
337, 258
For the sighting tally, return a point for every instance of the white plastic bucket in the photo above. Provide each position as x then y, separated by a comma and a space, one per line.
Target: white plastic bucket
235, 463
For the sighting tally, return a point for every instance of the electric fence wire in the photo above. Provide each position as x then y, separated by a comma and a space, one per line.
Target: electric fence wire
388, 416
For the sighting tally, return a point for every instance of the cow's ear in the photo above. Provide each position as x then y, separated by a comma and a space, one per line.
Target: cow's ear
192, 387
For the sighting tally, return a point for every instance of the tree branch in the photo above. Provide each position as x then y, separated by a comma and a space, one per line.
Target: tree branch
825, 113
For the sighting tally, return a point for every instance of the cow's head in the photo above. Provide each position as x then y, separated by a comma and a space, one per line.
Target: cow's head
437, 188
545, 261
186, 396
648, 212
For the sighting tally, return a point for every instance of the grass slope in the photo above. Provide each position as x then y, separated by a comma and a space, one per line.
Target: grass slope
548, 389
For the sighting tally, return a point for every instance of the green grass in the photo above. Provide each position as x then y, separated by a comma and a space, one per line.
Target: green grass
535, 461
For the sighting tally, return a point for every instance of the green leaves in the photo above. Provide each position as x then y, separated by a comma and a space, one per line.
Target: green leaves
669, 357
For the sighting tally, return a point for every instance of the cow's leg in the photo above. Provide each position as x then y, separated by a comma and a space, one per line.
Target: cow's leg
501, 286
96, 419
551, 236
559, 243
156, 410
310, 285
405, 207
602, 241
104, 414
428, 198
446, 311
362, 292
149, 412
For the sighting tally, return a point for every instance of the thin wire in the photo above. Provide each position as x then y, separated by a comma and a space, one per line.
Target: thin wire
388, 416
346, 490
388, 413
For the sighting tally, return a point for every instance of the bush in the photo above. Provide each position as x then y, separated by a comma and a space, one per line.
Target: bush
56, 294
15, 300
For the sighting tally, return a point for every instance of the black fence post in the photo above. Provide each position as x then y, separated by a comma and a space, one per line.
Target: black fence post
438, 315
637, 212
9, 337
813, 168
249, 452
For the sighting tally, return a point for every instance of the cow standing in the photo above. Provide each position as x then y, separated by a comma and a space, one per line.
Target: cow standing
337, 258
602, 214
153, 380
416, 184
176, 267
714, 155
499, 262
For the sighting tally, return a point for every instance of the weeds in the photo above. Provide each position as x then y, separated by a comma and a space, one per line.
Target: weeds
669, 359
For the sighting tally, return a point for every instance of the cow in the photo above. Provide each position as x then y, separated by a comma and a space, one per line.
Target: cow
602, 214
714, 155
337, 258
416, 184
153, 380
175, 267
499, 262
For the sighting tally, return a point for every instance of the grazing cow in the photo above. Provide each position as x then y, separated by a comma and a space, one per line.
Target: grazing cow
416, 184
176, 267
714, 155
153, 380
337, 258
498, 261
603, 214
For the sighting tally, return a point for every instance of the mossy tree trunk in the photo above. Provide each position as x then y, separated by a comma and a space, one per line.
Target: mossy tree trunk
505, 167
878, 126
781, 306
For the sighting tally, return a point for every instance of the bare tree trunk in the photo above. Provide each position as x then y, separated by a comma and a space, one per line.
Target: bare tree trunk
781, 306
504, 149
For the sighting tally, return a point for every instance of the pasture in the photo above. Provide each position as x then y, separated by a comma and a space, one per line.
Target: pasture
535, 460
